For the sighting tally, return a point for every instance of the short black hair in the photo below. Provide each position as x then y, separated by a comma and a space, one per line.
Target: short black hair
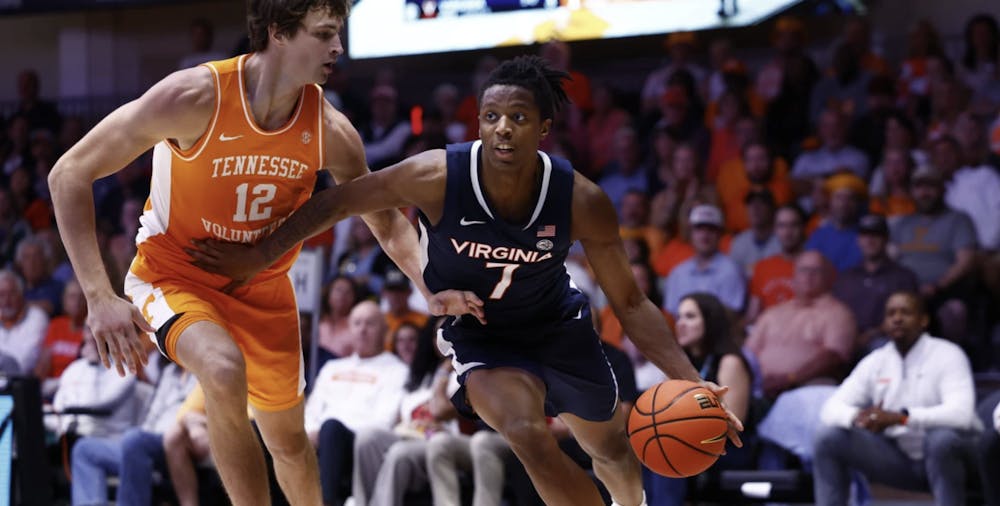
918, 301
535, 75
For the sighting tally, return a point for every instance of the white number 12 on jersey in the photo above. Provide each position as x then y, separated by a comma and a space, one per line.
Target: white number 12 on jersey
505, 278
264, 193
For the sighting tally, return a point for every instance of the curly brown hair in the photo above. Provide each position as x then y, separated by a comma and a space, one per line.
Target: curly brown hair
286, 16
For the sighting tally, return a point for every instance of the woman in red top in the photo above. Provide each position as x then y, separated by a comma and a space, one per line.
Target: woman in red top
63, 338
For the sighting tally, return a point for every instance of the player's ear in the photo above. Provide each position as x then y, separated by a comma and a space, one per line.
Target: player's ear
275, 36
546, 126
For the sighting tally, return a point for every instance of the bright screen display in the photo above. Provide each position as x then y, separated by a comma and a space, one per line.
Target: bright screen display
380, 28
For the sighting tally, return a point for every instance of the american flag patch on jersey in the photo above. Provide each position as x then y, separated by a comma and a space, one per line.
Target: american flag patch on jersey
546, 231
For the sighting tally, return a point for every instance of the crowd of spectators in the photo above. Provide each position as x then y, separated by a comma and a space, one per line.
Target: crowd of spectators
831, 210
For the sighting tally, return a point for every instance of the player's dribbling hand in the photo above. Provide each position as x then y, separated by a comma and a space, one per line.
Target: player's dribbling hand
118, 326
735, 425
456, 303
236, 261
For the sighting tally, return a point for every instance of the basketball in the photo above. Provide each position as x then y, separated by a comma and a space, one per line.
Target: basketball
677, 428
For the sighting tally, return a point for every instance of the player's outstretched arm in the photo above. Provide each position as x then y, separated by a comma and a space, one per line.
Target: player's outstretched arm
595, 225
179, 107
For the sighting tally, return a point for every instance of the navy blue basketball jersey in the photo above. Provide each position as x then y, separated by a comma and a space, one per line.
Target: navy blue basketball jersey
517, 270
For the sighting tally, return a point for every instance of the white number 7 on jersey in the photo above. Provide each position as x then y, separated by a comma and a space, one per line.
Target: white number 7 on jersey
505, 278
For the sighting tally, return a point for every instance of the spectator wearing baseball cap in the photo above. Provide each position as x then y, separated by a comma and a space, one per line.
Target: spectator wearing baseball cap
709, 270
938, 244
837, 238
866, 287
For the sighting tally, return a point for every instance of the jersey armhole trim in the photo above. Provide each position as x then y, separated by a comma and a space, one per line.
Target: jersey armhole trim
194, 151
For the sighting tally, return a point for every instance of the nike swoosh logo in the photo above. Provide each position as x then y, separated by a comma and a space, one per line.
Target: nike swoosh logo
579, 314
462, 368
716, 439
224, 138
465, 223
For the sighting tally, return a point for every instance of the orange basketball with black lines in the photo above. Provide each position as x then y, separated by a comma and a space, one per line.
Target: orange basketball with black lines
678, 428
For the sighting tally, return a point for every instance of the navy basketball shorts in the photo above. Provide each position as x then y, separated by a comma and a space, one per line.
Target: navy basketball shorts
566, 357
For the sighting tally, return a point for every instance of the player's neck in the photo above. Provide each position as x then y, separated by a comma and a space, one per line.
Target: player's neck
271, 93
513, 189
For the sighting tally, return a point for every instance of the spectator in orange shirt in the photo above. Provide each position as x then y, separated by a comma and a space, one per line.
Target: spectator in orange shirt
396, 294
771, 282
758, 169
633, 220
63, 339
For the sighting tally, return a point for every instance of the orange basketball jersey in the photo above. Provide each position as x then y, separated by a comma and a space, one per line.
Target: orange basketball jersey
237, 183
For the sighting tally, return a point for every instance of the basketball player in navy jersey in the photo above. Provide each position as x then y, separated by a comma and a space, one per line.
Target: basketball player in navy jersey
497, 218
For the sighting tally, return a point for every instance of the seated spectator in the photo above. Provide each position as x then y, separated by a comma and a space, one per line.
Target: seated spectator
626, 171
939, 245
771, 282
38, 112
868, 130
709, 270
684, 188
833, 154
867, 287
787, 123
681, 47
335, 338
904, 417
202, 35
22, 327
988, 448
363, 260
87, 384
610, 327
858, 36
900, 134
981, 60
704, 330
894, 200
135, 455
185, 445
837, 238
391, 462
758, 169
404, 342
13, 228
34, 263
845, 88
633, 222
396, 292
759, 241
973, 190
352, 393
387, 131
806, 340
62, 339
605, 120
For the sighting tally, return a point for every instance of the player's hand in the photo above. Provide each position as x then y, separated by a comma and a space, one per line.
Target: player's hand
456, 303
735, 425
236, 261
118, 326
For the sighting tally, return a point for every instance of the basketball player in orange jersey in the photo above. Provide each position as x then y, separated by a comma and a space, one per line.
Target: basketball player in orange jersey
238, 144
498, 217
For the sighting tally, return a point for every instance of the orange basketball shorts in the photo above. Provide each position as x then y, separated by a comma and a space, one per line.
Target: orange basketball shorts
262, 318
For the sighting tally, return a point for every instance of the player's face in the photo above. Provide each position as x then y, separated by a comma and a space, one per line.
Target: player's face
690, 324
510, 126
316, 46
